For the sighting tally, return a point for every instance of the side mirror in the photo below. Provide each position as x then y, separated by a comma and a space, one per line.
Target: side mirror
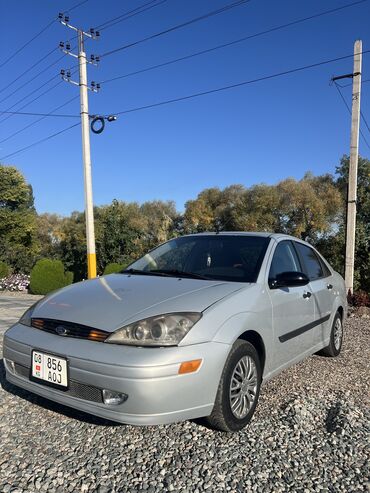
289, 280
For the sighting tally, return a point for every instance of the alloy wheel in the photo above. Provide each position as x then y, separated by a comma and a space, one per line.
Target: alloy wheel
338, 333
243, 387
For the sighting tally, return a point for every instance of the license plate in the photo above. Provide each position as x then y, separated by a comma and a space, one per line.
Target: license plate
49, 368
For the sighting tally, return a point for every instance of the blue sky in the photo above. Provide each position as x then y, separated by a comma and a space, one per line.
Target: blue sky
262, 132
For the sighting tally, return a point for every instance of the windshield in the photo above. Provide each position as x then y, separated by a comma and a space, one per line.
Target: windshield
216, 257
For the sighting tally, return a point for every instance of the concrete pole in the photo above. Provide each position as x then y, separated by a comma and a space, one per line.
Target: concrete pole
89, 211
353, 164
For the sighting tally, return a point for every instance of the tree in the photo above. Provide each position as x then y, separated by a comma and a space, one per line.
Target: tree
72, 245
161, 222
18, 244
49, 235
308, 207
125, 231
334, 248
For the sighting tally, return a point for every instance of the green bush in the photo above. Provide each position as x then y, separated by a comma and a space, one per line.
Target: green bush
48, 275
4, 270
113, 267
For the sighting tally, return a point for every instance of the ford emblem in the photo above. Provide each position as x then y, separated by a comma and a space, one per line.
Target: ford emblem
61, 331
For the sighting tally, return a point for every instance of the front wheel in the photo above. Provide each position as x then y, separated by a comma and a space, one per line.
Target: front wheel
238, 390
336, 338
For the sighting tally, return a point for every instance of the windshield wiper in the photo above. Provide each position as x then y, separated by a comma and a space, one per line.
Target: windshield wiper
179, 273
144, 272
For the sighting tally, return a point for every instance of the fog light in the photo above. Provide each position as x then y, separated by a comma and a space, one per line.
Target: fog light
111, 397
10, 365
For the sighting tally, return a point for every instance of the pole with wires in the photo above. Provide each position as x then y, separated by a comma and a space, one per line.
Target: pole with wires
353, 165
89, 209
86, 154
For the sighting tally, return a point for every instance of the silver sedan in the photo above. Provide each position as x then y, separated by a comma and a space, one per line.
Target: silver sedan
192, 329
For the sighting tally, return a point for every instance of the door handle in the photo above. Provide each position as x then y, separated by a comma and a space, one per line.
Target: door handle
329, 286
307, 294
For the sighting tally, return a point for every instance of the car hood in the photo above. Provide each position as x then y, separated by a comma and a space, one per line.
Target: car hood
109, 302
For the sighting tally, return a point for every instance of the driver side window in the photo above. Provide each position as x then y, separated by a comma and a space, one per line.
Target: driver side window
285, 259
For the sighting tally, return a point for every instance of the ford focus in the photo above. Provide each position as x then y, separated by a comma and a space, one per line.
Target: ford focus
192, 329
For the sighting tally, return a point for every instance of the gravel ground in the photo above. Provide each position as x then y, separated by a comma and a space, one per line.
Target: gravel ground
310, 433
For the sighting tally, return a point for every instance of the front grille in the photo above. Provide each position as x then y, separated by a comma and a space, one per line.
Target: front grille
69, 329
76, 389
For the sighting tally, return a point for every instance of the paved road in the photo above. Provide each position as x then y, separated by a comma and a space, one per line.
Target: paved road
12, 307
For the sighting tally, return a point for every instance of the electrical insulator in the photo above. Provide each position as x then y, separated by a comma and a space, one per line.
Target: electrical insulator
97, 34
92, 84
66, 19
98, 87
92, 30
97, 59
62, 72
61, 44
60, 15
68, 74
68, 46
92, 57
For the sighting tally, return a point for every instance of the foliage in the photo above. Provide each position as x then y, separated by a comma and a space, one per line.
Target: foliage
362, 246
48, 275
113, 268
49, 234
312, 208
4, 270
125, 231
307, 207
359, 298
72, 245
18, 244
15, 282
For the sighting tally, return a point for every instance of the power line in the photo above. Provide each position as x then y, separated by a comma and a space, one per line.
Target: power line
33, 78
27, 43
31, 113
39, 119
75, 6
178, 26
199, 94
231, 43
18, 112
365, 121
210, 91
348, 108
28, 69
40, 141
129, 14
36, 36
342, 86
239, 84
31, 93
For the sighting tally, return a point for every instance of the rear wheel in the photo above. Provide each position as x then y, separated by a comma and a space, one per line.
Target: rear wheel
238, 390
336, 338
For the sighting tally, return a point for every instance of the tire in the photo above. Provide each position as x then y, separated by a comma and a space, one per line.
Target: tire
242, 359
336, 338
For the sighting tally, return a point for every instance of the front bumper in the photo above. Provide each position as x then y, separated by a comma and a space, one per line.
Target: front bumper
157, 394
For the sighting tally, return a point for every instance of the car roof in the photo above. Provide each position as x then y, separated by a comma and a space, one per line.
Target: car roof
263, 234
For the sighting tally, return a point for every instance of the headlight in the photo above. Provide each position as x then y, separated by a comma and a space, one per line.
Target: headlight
27, 315
162, 330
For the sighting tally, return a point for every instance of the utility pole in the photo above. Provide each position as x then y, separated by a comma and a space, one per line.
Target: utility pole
86, 155
353, 165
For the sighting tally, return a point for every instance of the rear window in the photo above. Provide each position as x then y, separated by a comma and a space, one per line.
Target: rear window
311, 262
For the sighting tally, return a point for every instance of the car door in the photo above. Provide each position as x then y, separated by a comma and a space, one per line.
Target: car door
292, 308
321, 282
